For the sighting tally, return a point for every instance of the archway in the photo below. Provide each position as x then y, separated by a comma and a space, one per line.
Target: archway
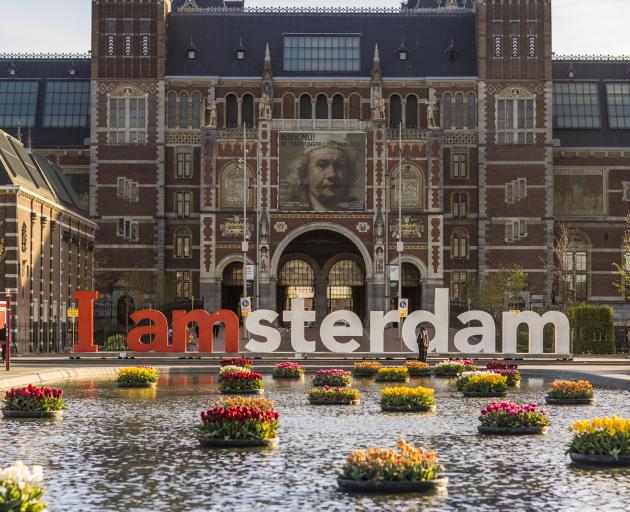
412, 286
232, 287
345, 287
296, 281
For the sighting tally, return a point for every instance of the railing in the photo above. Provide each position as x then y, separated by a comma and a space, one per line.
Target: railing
440, 6
319, 124
619, 58
20, 55
237, 133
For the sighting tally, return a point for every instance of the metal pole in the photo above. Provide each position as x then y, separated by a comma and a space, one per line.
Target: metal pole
399, 246
245, 190
8, 331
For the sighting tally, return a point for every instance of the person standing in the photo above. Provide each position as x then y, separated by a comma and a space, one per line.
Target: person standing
3, 342
422, 339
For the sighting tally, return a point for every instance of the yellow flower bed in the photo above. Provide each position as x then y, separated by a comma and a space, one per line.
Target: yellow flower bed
404, 396
570, 389
417, 368
367, 368
610, 425
601, 436
392, 374
483, 383
138, 376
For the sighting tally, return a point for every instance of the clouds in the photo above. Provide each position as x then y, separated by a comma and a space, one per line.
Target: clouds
579, 26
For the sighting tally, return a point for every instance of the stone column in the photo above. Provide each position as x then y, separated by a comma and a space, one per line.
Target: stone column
321, 299
210, 290
268, 297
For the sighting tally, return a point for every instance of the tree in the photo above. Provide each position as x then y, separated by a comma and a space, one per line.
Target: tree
623, 270
138, 283
103, 280
499, 290
564, 245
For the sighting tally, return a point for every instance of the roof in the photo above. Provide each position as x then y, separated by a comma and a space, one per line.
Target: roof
35, 173
425, 34
44, 68
600, 71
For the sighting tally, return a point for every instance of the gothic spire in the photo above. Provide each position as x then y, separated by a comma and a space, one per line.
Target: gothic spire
376, 65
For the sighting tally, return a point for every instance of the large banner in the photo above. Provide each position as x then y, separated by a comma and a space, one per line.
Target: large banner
322, 172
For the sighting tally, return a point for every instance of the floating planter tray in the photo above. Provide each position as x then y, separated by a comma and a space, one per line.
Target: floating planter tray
243, 392
516, 431
394, 487
351, 402
32, 414
213, 442
485, 395
600, 460
408, 408
138, 385
570, 401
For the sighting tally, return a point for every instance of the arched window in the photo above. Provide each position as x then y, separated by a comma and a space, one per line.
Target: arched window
297, 280
459, 111
183, 243
411, 111
337, 107
447, 112
231, 193
231, 111
471, 105
127, 123
196, 110
306, 107
395, 111
345, 273
459, 244
412, 187
183, 110
288, 106
321, 107
460, 204
171, 110
247, 110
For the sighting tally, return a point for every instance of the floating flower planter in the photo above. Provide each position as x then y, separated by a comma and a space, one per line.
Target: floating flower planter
332, 378
509, 370
139, 377
242, 382
601, 442
406, 399
393, 374
418, 369
240, 422
563, 392
20, 489
324, 395
33, 402
482, 384
242, 362
366, 368
389, 471
510, 418
448, 369
288, 370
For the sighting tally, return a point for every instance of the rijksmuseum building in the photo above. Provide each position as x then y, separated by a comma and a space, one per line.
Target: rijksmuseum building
326, 124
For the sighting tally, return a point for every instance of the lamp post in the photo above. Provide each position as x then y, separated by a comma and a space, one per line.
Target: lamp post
7, 346
400, 245
245, 244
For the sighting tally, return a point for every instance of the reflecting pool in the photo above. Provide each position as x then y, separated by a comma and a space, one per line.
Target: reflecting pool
131, 450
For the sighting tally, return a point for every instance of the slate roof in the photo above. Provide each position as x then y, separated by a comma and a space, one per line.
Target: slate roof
35, 173
426, 35
600, 71
43, 69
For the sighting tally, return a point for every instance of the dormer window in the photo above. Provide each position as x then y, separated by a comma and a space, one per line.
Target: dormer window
191, 54
402, 52
240, 52
12, 70
72, 71
452, 53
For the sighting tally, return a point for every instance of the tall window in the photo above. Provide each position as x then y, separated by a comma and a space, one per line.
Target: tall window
395, 111
321, 107
411, 111
576, 277
171, 110
618, 105
183, 110
515, 121
459, 111
515, 29
196, 110
459, 164
471, 110
184, 203
231, 111
183, 243
576, 105
497, 31
458, 285
183, 163
460, 204
67, 104
247, 110
306, 107
337, 106
447, 111
182, 285
127, 121
18, 104
459, 244
322, 53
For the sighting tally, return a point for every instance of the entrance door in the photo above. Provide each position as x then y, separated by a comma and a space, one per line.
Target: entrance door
232, 287
411, 286
346, 284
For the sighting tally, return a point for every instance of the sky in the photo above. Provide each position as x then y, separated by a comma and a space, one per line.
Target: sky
579, 26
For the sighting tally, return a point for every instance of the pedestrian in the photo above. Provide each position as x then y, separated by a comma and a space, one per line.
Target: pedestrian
170, 335
420, 342
3, 342
425, 343
215, 330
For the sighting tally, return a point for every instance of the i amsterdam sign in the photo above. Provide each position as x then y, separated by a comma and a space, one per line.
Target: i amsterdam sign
339, 324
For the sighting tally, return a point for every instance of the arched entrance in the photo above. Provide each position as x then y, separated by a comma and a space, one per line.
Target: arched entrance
232, 287
412, 286
325, 268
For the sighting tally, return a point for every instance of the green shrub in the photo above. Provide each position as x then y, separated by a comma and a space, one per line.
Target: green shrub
116, 342
593, 329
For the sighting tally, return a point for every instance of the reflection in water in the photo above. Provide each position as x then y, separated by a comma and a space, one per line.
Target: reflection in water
135, 449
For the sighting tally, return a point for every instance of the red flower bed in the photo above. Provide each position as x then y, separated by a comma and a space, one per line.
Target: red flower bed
240, 418
493, 364
33, 398
241, 381
236, 361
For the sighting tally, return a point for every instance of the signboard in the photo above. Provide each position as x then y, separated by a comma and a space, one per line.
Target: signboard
3, 314
246, 306
403, 308
322, 171
250, 272
393, 272
73, 313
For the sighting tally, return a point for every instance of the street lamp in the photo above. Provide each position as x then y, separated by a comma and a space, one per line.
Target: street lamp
400, 244
7, 346
245, 244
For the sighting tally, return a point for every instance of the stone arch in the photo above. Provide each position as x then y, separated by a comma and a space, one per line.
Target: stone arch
416, 262
324, 226
229, 259
339, 257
